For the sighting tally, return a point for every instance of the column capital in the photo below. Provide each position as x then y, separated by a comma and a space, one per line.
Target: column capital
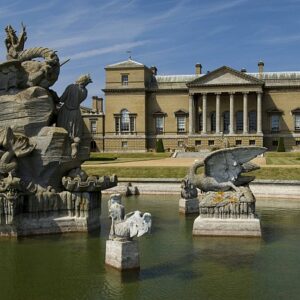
259, 93
231, 93
245, 93
191, 94
203, 94
218, 93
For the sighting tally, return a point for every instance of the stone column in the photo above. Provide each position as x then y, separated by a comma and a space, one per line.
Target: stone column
191, 114
245, 112
231, 114
218, 97
259, 113
204, 113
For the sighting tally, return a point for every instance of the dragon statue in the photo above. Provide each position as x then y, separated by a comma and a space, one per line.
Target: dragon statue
21, 69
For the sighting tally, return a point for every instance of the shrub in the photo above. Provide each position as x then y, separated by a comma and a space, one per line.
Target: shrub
160, 146
281, 147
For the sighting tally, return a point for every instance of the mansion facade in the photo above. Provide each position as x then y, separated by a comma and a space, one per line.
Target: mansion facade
197, 110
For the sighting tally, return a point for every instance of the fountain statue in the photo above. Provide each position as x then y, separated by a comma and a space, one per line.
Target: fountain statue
121, 250
189, 202
226, 203
42, 146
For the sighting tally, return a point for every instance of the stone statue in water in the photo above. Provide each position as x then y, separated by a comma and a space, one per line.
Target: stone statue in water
125, 227
69, 115
225, 194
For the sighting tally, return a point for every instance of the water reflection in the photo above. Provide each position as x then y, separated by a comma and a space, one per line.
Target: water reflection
174, 264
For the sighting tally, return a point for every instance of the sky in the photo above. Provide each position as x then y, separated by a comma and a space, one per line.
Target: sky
172, 35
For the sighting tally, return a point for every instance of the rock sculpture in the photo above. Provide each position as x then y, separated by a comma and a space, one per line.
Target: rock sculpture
121, 250
42, 186
227, 205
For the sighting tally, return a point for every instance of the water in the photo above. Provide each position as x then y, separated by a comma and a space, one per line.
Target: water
174, 265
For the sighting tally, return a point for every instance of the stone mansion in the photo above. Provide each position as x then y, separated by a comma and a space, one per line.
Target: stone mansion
197, 110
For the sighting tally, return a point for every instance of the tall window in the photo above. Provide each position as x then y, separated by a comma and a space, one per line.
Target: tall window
275, 123
239, 121
159, 124
181, 120
200, 122
252, 121
297, 122
93, 127
125, 122
124, 79
213, 121
226, 121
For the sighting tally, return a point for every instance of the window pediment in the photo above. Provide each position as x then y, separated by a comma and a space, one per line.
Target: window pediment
275, 111
181, 112
159, 113
296, 111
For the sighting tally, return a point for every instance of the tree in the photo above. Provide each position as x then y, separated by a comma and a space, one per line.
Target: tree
160, 146
281, 147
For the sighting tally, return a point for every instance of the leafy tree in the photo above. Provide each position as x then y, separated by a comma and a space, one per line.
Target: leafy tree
281, 147
160, 146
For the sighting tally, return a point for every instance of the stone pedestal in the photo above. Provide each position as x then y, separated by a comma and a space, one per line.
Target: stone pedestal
189, 206
249, 227
122, 255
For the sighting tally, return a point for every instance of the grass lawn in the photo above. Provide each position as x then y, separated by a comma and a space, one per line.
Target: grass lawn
283, 158
179, 172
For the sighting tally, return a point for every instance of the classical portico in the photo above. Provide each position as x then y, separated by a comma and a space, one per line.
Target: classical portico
222, 94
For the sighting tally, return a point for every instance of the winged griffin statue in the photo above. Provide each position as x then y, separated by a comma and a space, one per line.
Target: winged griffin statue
225, 191
125, 227
223, 169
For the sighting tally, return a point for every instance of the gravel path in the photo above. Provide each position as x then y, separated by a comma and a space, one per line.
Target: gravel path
171, 162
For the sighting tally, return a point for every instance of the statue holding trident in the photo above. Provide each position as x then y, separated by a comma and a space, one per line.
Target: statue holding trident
69, 115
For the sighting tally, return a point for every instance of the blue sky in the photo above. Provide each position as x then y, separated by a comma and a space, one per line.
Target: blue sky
173, 35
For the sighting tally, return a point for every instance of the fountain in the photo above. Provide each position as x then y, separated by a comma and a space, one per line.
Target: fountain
42, 146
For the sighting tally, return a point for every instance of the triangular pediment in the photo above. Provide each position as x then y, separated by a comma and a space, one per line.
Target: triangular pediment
225, 76
129, 63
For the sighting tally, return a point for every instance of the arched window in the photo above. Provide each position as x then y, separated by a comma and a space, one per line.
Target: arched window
226, 121
125, 120
239, 121
252, 121
213, 121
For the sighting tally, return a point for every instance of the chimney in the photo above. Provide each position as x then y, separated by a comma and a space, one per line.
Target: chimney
198, 69
154, 70
260, 66
97, 104
243, 70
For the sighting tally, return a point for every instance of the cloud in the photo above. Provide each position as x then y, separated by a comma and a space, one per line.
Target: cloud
7, 12
105, 50
283, 39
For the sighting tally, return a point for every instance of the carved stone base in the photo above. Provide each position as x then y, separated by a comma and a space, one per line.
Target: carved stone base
227, 227
55, 223
122, 255
48, 213
189, 206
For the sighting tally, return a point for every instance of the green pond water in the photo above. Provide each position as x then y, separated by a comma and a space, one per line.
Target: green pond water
174, 265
